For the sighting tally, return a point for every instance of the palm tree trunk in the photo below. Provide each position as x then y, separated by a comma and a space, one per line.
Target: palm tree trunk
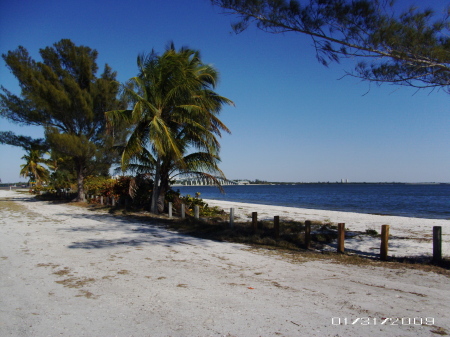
160, 201
163, 188
155, 192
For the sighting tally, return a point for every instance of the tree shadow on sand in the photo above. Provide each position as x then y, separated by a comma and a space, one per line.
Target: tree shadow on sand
136, 232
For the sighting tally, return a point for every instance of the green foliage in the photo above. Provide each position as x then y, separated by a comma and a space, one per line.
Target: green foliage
25, 142
172, 196
190, 202
204, 209
38, 189
63, 94
61, 179
121, 187
134, 190
411, 48
141, 187
33, 168
372, 232
174, 110
101, 186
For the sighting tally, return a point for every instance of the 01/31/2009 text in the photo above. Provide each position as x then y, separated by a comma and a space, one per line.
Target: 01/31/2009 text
382, 321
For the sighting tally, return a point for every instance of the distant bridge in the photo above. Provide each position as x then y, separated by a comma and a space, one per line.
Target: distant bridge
203, 181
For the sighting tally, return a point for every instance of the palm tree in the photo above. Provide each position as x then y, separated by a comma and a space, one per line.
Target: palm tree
33, 168
175, 110
199, 164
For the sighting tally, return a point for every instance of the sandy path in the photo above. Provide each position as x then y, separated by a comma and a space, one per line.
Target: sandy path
66, 271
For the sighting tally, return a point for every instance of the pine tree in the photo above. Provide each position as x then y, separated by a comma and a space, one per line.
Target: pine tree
410, 49
63, 94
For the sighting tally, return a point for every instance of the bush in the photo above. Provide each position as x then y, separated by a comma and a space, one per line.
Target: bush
99, 186
136, 189
62, 179
371, 232
205, 210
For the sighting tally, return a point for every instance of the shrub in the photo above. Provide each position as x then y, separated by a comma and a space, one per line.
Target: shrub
371, 232
205, 210
99, 185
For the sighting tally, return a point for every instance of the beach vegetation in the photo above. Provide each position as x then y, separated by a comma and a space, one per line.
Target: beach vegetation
63, 176
372, 232
33, 168
290, 244
204, 209
173, 118
25, 142
63, 94
60, 167
99, 185
408, 47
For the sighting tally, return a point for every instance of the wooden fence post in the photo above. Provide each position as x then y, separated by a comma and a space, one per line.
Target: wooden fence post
101, 200
384, 242
197, 211
341, 237
437, 243
276, 227
231, 217
170, 210
113, 201
255, 221
183, 211
307, 234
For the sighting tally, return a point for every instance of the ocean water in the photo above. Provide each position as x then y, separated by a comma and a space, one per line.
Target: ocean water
411, 200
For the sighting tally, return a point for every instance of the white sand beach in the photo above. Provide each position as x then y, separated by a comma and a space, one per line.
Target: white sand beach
71, 271
409, 236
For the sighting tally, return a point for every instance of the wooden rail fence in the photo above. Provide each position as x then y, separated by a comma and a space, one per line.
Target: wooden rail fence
384, 246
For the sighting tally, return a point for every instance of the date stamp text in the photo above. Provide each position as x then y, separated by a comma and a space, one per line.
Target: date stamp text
382, 321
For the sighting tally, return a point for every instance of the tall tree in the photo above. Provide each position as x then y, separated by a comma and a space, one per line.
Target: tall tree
63, 94
410, 49
25, 142
174, 110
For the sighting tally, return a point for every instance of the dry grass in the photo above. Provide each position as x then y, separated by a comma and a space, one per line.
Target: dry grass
75, 282
13, 206
63, 272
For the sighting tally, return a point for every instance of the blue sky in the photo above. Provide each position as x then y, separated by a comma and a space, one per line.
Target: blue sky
294, 119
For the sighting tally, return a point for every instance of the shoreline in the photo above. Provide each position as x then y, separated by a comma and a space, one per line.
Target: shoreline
418, 202
409, 236
327, 210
